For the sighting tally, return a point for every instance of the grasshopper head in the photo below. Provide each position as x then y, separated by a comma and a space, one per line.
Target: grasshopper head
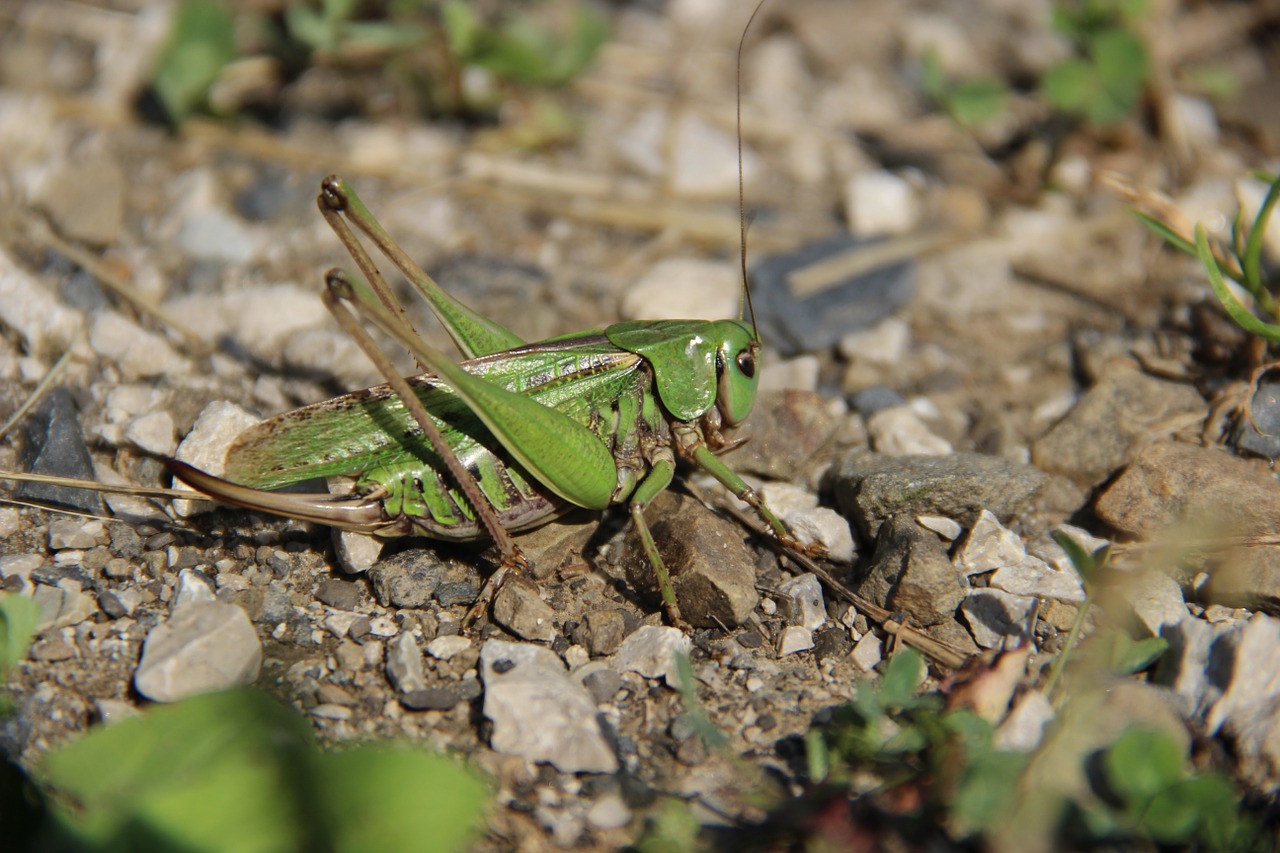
737, 370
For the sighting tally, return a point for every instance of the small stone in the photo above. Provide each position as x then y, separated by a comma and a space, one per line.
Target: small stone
684, 289
609, 812
339, 594
651, 650
803, 601
880, 203
706, 162
52, 650
995, 616
794, 639
9, 520
1053, 554
328, 711
792, 374
450, 593
192, 586
54, 444
84, 196
832, 643
448, 647
1023, 729
47, 327
19, 566
606, 629
911, 574
356, 552
339, 623
111, 604
73, 533
601, 682
152, 433
205, 646
519, 608
885, 343
63, 605
214, 235
871, 487
407, 579
1156, 599
989, 545
140, 354
404, 664
1033, 577
899, 431
205, 447
539, 713
949, 529
866, 654
432, 698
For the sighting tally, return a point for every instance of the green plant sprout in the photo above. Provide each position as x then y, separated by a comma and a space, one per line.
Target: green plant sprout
1241, 262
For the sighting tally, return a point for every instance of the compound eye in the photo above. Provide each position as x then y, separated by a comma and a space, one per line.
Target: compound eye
747, 363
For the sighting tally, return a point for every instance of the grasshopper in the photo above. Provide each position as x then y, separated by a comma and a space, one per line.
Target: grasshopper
507, 439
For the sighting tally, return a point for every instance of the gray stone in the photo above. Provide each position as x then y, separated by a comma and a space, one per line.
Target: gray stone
448, 646
601, 682
54, 444
63, 605
1185, 666
205, 447
407, 579
84, 198
519, 608
73, 533
1033, 577
712, 569
803, 603
1156, 599
152, 433
339, 594
1110, 422
995, 616
989, 545
605, 630
684, 288
871, 487
404, 664
46, 326
1023, 729
794, 639
651, 651
205, 646
1248, 710
866, 654
911, 574
356, 552
192, 586
539, 712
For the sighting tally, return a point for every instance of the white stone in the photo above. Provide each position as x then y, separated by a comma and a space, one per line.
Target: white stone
794, 639
152, 433
899, 431
947, 528
880, 203
205, 447
651, 650
138, 353
609, 812
46, 326
1032, 576
265, 318
804, 603
793, 374
826, 527
339, 622
684, 289
448, 646
192, 587
1023, 729
1156, 599
215, 235
356, 552
989, 545
205, 646
9, 520
884, 343
866, 654
705, 160
1196, 118
1053, 554
404, 664
539, 712
995, 616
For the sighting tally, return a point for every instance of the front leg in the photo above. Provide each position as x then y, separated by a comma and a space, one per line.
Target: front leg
653, 484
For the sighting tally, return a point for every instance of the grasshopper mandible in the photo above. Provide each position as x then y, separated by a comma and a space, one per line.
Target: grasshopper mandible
511, 437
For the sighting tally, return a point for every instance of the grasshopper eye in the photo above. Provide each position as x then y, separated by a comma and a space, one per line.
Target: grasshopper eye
747, 363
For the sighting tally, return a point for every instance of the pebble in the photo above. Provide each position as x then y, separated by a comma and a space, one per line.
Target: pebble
84, 196
404, 664
46, 326
539, 712
601, 682
1033, 577
208, 645
1023, 729
407, 579
791, 374
356, 552
73, 533
339, 623
684, 289
54, 444
995, 616
866, 654
803, 602
900, 431
870, 487
140, 354
152, 433
192, 586
328, 711
948, 528
880, 203
214, 235
705, 162
519, 608
605, 630
989, 545
1110, 422
885, 343
63, 605
205, 447
1259, 433
1246, 710
651, 650
9, 521
810, 523
609, 812
339, 594
448, 647
794, 639
910, 573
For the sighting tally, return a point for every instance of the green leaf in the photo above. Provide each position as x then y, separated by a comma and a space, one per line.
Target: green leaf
988, 790
1071, 85
1142, 763
978, 101
1085, 563
379, 798
18, 619
461, 28
1132, 656
1242, 315
902, 676
1164, 232
201, 43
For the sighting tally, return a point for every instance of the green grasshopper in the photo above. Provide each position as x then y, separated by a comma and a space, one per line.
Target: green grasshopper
513, 436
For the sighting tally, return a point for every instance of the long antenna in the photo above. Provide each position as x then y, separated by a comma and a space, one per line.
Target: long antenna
742, 192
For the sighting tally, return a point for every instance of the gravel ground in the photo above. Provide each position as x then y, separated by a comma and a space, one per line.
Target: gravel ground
1026, 360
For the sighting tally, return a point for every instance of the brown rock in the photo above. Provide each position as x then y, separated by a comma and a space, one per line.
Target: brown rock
911, 574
